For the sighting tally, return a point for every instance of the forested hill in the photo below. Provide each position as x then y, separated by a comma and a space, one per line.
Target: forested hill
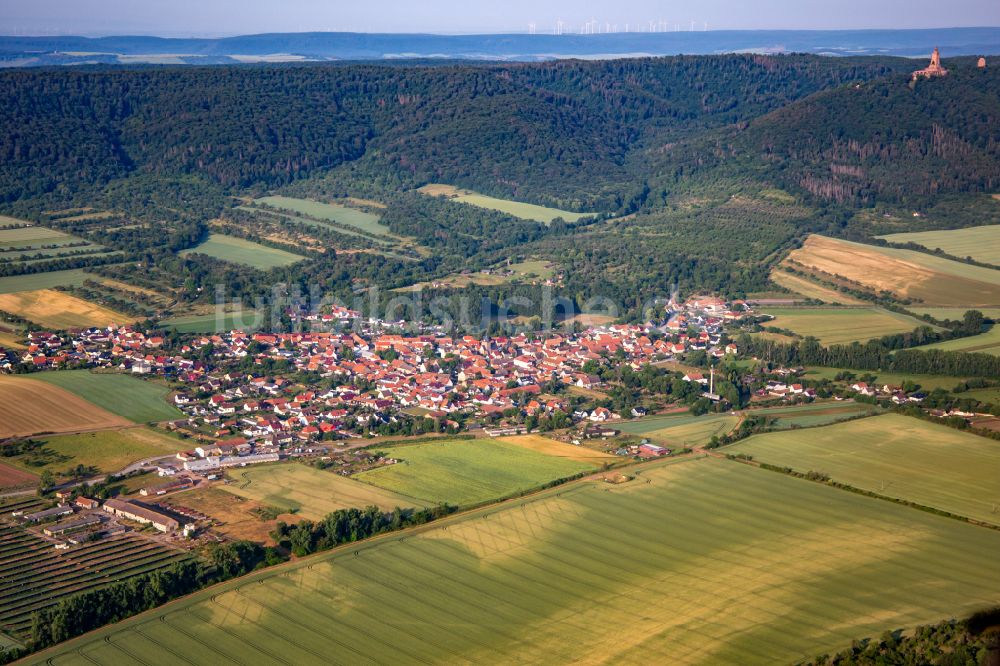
885, 140
547, 132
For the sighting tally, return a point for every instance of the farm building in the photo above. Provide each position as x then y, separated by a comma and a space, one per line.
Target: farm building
141, 514
54, 512
208, 464
71, 526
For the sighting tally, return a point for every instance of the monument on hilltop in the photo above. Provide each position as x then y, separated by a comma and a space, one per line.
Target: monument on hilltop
933, 69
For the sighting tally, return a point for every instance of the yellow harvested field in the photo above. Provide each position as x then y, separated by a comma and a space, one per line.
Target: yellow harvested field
906, 273
29, 407
57, 309
551, 447
810, 289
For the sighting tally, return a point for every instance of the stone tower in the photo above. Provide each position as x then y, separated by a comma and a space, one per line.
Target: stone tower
933, 69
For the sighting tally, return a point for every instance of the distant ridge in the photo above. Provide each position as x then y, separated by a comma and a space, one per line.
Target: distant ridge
16, 51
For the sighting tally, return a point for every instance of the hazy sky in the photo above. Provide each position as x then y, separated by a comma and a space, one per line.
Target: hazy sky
229, 17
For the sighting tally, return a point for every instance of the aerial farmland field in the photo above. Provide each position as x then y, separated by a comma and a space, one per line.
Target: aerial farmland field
351, 217
58, 310
135, 399
927, 382
245, 320
929, 279
811, 289
465, 472
105, 450
680, 430
837, 326
29, 406
896, 456
814, 414
311, 493
985, 343
240, 251
705, 561
525, 211
35, 281
980, 243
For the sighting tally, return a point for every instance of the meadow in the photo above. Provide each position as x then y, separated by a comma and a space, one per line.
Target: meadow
954, 313
310, 493
34, 281
897, 456
980, 243
923, 277
29, 406
705, 561
926, 382
838, 326
135, 399
525, 211
17, 244
813, 414
245, 320
985, 343
240, 251
466, 472
58, 310
106, 450
682, 430
525, 271
350, 217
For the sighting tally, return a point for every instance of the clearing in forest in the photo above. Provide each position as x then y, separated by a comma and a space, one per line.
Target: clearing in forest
241, 251
525, 211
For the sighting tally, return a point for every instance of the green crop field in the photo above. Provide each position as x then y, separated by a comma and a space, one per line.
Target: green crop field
464, 472
212, 323
837, 326
980, 243
813, 414
705, 561
954, 313
33, 575
525, 211
311, 493
927, 382
680, 430
106, 450
133, 398
240, 251
896, 456
35, 281
351, 217
985, 343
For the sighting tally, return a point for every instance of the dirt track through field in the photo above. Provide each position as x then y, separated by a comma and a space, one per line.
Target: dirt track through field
28, 407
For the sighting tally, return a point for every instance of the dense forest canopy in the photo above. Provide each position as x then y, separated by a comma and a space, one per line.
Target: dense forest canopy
698, 171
